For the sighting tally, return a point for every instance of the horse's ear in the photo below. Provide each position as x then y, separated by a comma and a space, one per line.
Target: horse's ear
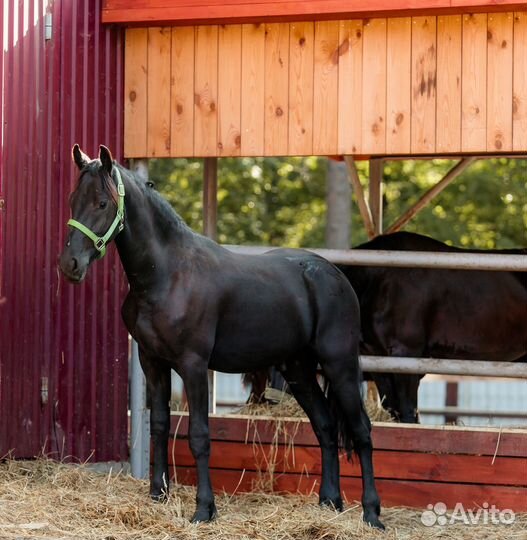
79, 157
106, 158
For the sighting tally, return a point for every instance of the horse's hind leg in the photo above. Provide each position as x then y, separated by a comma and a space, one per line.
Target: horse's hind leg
342, 372
302, 381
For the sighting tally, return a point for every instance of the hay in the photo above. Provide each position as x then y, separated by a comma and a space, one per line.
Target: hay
284, 405
48, 500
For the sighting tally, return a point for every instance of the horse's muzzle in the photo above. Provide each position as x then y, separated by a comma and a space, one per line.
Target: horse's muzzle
74, 271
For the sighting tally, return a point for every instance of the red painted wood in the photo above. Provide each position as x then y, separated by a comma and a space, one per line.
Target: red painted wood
414, 465
155, 12
448, 440
392, 492
394, 465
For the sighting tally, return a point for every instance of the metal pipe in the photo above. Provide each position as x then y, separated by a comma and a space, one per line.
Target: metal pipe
443, 366
409, 259
139, 419
139, 416
210, 220
457, 411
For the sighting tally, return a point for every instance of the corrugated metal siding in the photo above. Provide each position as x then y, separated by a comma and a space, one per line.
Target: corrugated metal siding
56, 93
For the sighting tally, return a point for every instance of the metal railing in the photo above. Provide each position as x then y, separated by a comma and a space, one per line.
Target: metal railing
409, 259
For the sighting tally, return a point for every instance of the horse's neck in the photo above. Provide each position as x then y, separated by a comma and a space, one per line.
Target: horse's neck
143, 247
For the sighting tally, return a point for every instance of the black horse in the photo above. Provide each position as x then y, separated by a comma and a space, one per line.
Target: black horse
431, 312
437, 313
194, 306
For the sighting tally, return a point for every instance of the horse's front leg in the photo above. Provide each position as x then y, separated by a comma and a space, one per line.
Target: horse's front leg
158, 383
193, 371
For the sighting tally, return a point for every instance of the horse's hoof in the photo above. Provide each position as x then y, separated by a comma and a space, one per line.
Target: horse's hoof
204, 515
159, 497
335, 503
375, 522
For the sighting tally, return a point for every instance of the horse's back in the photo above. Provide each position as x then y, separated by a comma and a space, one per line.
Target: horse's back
278, 304
440, 312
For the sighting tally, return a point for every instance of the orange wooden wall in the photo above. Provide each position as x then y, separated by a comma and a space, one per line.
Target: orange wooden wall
433, 84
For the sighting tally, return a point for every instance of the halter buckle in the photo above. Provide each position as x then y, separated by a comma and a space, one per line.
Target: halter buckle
100, 244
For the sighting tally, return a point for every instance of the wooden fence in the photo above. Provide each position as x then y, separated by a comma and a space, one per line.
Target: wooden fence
425, 85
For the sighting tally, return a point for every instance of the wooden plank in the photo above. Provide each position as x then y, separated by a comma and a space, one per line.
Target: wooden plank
448, 114
398, 91
374, 87
424, 47
474, 84
236, 11
158, 105
276, 91
206, 91
182, 104
499, 82
325, 90
386, 436
350, 87
392, 492
364, 207
297, 458
375, 199
429, 195
229, 90
135, 92
519, 118
253, 85
301, 47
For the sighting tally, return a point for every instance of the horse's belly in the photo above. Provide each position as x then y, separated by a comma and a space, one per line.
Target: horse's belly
254, 343
488, 333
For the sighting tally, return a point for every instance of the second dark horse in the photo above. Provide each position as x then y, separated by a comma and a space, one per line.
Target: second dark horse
194, 306
437, 313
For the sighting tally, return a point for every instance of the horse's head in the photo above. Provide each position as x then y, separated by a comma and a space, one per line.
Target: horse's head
97, 210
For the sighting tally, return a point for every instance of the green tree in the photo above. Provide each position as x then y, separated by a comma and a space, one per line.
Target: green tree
281, 201
486, 207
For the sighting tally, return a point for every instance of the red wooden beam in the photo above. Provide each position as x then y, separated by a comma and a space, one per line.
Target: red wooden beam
392, 492
168, 12
402, 437
298, 459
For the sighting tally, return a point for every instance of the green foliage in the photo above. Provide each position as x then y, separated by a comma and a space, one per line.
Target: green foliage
485, 207
281, 201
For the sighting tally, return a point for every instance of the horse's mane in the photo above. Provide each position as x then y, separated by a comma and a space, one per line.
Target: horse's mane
162, 207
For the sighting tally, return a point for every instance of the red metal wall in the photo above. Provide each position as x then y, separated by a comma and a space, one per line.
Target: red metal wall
63, 349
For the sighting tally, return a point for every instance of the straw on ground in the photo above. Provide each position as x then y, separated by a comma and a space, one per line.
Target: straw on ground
48, 500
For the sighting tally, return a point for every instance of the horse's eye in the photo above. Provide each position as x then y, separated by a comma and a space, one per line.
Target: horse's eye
103, 204
150, 184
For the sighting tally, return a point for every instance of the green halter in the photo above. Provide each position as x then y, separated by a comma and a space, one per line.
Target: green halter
100, 241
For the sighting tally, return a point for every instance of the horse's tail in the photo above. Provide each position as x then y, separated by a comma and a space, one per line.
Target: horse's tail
256, 382
345, 438
344, 432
